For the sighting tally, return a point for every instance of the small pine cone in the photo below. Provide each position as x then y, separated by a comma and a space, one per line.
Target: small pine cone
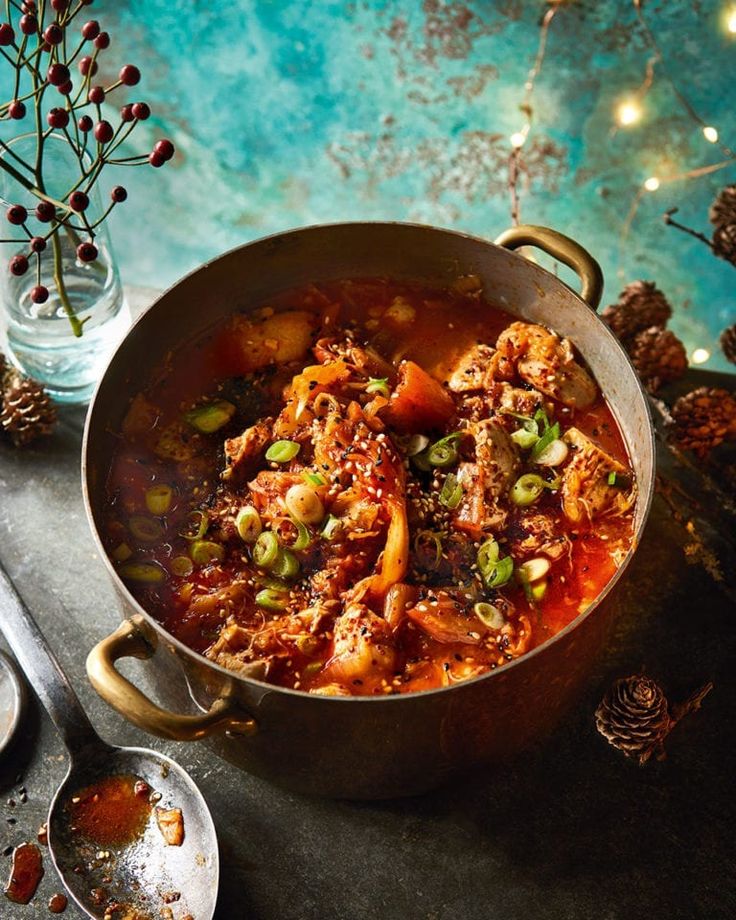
723, 209
724, 242
640, 305
634, 717
704, 418
26, 411
658, 356
728, 343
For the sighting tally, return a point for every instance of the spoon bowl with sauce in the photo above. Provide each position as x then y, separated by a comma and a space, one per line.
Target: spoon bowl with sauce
128, 831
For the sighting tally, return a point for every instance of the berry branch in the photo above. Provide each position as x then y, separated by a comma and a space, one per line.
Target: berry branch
39, 42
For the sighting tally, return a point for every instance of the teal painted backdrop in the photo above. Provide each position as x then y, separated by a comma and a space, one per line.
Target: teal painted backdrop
294, 112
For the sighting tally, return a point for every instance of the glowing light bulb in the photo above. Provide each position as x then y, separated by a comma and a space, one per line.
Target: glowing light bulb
652, 184
700, 356
710, 134
731, 21
517, 139
628, 113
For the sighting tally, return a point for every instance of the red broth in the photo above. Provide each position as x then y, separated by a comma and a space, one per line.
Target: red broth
460, 610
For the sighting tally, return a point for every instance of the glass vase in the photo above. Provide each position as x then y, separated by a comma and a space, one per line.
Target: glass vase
39, 338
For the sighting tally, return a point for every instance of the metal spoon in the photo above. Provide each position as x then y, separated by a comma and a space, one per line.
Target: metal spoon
145, 876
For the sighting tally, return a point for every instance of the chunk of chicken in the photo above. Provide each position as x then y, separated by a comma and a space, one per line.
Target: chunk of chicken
536, 533
503, 396
242, 452
486, 482
362, 646
548, 363
586, 491
473, 370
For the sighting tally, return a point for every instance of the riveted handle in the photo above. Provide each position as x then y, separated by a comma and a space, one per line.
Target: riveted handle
563, 249
128, 641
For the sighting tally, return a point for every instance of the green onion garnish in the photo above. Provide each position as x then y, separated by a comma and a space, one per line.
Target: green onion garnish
205, 551
451, 493
248, 524
527, 489
551, 434
444, 452
181, 565
145, 529
524, 438
273, 598
487, 557
416, 444
314, 479
121, 552
211, 417
612, 479
158, 499
286, 564
378, 385
196, 525
282, 451
143, 572
489, 615
266, 550
304, 538
331, 527
428, 539
501, 573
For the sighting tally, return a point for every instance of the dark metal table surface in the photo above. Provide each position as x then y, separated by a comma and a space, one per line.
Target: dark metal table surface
568, 830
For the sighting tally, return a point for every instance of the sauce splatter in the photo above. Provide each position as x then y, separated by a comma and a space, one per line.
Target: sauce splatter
26, 872
57, 904
110, 812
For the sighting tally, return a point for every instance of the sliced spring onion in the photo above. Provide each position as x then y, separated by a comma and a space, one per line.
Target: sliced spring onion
181, 565
143, 572
527, 489
429, 543
145, 529
205, 551
487, 557
304, 505
158, 499
286, 565
282, 451
303, 537
196, 525
524, 438
314, 479
500, 573
378, 385
266, 550
551, 434
553, 454
416, 444
210, 417
538, 590
248, 524
273, 598
444, 452
489, 615
451, 493
121, 552
533, 569
612, 479
331, 527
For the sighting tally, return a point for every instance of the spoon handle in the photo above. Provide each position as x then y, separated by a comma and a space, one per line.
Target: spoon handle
43, 670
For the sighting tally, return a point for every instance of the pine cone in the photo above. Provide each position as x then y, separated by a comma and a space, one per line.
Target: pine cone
633, 716
724, 242
658, 356
728, 343
704, 418
640, 305
26, 411
722, 215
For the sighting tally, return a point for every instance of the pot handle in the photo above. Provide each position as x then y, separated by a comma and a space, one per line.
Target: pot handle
130, 640
564, 249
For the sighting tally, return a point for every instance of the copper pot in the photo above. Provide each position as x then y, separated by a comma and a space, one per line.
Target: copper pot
357, 746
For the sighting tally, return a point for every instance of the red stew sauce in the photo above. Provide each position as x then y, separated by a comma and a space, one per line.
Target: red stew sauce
368, 487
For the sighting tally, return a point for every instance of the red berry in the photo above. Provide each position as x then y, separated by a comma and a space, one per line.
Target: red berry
90, 30
86, 252
118, 194
78, 201
155, 159
58, 118
96, 95
65, 88
87, 66
164, 148
28, 24
17, 109
29, 6
18, 265
53, 34
85, 123
39, 294
103, 132
60, 5
102, 41
141, 111
58, 74
129, 75
17, 214
126, 113
7, 35
45, 211
37, 244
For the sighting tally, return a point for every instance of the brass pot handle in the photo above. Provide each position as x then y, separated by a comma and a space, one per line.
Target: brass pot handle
564, 249
129, 640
